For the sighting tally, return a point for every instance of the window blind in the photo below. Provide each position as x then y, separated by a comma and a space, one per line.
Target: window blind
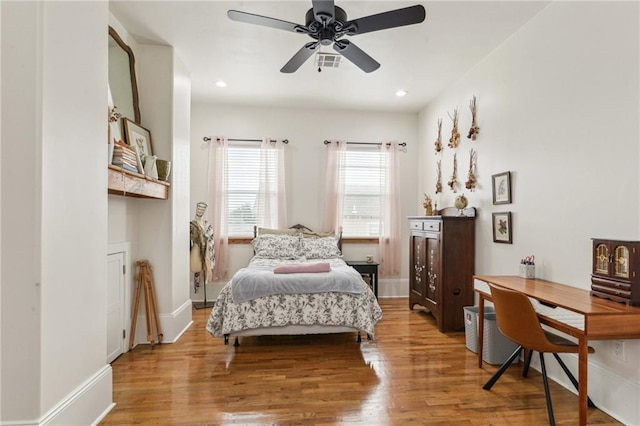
242, 185
363, 173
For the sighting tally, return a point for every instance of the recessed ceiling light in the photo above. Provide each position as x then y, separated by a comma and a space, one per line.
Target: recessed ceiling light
401, 93
221, 83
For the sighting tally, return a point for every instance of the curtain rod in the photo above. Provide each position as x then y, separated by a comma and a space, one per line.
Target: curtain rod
208, 139
366, 143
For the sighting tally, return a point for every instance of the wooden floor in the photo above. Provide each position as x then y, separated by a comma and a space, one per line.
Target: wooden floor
409, 374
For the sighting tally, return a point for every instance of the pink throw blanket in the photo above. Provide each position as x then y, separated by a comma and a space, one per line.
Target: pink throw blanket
302, 268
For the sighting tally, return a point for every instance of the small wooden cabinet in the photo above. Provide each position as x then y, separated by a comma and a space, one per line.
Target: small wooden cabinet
442, 258
615, 270
369, 269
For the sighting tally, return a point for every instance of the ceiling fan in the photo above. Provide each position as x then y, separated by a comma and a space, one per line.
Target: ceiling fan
326, 23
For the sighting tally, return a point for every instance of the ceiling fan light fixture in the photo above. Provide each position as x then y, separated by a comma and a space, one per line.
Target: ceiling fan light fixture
328, 60
400, 93
221, 83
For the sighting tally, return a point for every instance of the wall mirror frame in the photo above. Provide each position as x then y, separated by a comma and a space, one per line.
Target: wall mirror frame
122, 79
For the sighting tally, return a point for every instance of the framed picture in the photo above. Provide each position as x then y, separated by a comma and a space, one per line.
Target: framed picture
502, 228
138, 137
501, 185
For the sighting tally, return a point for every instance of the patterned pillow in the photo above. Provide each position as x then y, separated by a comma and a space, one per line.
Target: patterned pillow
320, 248
275, 246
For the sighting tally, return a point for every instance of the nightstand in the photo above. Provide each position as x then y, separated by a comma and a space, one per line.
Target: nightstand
367, 268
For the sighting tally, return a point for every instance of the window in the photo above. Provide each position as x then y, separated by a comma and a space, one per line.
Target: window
254, 185
363, 173
242, 183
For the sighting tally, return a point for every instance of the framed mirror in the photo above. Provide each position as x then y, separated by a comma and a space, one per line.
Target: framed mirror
122, 77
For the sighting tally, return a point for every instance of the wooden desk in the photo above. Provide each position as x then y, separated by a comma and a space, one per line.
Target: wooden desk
577, 313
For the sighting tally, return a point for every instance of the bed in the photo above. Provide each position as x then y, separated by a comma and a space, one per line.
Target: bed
296, 283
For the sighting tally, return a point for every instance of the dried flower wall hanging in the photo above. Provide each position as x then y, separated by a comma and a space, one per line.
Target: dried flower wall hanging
438, 142
474, 130
455, 135
453, 182
471, 180
113, 114
439, 182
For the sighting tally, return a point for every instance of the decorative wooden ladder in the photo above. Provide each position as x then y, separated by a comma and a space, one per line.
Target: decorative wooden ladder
144, 280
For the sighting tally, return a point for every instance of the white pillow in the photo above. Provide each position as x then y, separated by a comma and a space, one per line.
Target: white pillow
270, 231
277, 246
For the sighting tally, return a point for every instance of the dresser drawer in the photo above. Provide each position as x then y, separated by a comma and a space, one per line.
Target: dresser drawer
415, 225
611, 291
425, 225
431, 225
617, 285
610, 296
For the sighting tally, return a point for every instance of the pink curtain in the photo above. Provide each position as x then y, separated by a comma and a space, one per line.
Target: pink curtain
217, 200
271, 204
334, 186
390, 221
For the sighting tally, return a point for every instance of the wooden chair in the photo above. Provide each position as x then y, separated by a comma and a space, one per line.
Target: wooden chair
518, 321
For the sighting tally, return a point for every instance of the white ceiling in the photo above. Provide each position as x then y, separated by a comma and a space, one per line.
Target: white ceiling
422, 59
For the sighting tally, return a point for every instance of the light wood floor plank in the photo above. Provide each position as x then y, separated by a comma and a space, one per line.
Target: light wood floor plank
410, 374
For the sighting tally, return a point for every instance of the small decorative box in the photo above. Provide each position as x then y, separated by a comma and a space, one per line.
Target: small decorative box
527, 271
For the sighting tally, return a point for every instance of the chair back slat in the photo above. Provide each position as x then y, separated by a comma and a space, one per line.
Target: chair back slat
518, 321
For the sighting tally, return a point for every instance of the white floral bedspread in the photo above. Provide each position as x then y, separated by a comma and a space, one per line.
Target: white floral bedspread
337, 309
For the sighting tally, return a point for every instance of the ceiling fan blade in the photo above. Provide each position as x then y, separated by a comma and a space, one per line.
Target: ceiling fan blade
385, 20
300, 57
265, 21
324, 10
356, 55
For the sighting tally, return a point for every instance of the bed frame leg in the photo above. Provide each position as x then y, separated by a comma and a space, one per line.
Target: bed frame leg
236, 343
359, 339
226, 339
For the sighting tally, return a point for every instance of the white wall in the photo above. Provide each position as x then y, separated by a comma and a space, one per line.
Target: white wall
123, 212
56, 372
180, 180
558, 106
151, 226
21, 215
306, 130
165, 113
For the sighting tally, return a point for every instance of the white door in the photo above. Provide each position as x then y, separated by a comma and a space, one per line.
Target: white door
115, 306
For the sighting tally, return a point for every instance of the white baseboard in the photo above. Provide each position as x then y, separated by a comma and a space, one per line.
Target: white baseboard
393, 287
172, 325
611, 393
86, 405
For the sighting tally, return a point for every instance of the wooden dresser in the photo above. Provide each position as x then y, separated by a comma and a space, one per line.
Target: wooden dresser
615, 266
441, 265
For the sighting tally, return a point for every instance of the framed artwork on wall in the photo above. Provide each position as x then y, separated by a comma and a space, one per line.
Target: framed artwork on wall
501, 188
502, 232
138, 137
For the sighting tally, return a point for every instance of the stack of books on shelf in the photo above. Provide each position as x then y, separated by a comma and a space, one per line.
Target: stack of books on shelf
125, 157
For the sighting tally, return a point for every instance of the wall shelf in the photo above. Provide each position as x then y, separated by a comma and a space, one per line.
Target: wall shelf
129, 184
